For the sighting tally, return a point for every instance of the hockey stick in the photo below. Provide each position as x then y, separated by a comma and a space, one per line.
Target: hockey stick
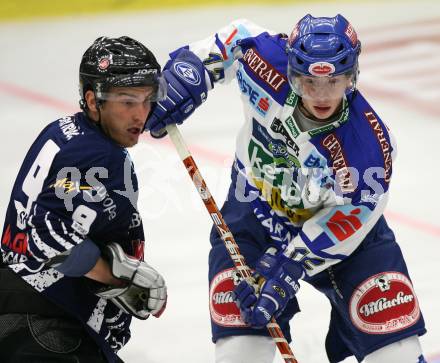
223, 230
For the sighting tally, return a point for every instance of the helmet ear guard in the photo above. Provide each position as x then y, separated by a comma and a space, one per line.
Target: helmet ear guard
83, 90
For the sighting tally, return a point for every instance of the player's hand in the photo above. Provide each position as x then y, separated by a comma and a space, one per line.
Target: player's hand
144, 292
258, 305
188, 83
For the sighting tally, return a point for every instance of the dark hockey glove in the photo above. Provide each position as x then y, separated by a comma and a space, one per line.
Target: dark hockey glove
188, 83
145, 292
258, 305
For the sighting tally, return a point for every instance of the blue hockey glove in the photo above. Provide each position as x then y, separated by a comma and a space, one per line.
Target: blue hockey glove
188, 83
282, 275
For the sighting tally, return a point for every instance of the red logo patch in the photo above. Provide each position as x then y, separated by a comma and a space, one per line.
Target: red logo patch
321, 69
344, 226
138, 246
264, 104
351, 34
103, 63
384, 303
18, 244
223, 309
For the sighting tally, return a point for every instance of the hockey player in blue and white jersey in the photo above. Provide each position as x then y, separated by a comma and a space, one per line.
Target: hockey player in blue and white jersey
310, 183
72, 269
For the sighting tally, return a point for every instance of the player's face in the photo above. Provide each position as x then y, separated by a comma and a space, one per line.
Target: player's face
322, 109
322, 96
124, 113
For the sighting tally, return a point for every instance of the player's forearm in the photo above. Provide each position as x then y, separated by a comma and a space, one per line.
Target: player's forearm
101, 273
85, 260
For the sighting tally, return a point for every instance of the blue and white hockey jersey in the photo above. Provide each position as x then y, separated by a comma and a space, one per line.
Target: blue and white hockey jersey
74, 183
318, 192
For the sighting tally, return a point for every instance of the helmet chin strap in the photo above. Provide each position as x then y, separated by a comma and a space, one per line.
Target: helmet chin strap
98, 107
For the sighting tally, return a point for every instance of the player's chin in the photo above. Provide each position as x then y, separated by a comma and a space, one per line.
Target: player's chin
129, 141
132, 143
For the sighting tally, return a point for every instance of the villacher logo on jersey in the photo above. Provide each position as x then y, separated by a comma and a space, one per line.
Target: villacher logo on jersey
222, 306
384, 303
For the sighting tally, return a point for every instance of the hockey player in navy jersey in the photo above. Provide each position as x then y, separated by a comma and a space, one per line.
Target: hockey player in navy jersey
310, 183
72, 270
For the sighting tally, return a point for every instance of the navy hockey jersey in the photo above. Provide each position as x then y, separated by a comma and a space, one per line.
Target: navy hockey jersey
74, 183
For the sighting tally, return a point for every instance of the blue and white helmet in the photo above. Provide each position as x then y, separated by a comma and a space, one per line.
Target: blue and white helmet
323, 47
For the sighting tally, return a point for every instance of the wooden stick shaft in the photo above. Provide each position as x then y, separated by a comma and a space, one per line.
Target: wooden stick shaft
224, 232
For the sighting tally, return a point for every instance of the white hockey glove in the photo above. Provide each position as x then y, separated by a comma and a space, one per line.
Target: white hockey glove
145, 292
